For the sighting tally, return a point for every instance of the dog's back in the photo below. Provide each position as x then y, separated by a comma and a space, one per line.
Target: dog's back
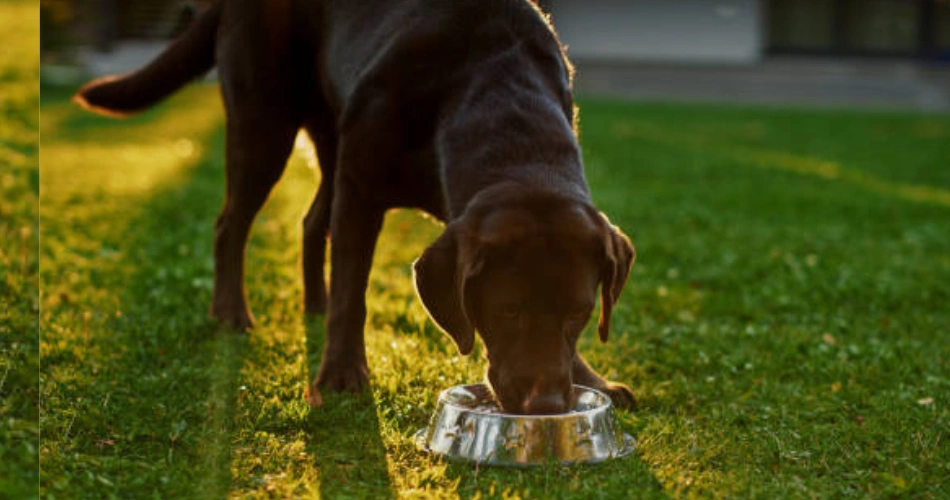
424, 43
477, 86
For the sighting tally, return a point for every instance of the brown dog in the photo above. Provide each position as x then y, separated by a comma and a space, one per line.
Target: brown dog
461, 108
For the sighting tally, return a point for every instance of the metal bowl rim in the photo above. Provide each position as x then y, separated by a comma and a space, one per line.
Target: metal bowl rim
443, 399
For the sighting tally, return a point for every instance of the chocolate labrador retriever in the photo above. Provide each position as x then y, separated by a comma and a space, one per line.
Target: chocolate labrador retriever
461, 108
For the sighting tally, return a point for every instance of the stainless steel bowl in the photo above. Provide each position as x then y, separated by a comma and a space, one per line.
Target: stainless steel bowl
469, 426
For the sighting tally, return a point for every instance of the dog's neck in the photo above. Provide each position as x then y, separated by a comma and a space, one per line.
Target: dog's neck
513, 129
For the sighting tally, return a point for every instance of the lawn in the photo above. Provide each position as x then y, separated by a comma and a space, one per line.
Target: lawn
784, 326
19, 233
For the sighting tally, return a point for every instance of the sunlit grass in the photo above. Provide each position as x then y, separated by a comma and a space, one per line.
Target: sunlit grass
19, 108
815, 293
782, 329
781, 160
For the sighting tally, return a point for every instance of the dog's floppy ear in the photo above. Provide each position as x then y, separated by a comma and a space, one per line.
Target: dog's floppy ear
619, 256
439, 283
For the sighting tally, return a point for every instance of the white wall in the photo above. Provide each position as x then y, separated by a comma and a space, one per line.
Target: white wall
714, 31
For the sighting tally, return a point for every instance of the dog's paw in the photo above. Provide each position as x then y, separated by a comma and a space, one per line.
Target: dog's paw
313, 396
348, 377
620, 394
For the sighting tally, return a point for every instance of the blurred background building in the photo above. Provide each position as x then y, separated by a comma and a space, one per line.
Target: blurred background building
746, 31
861, 52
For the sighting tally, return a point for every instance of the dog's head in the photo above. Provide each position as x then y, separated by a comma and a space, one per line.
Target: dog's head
524, 271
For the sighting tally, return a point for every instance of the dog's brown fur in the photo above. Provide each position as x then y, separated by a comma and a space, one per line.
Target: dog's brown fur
460, 108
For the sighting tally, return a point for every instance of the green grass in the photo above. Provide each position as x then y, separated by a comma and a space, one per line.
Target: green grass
784, 326
19, 285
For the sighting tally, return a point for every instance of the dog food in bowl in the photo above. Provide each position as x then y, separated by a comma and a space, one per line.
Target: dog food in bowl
469, 426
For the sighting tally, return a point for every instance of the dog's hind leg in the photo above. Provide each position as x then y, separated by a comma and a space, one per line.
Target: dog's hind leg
316, 224
259, 141
257, 69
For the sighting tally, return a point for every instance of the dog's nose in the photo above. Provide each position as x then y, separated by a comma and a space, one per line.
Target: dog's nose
545, 404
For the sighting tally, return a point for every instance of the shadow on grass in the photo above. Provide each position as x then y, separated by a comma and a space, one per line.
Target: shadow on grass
202, 360
627, 477
149, 387
344, 436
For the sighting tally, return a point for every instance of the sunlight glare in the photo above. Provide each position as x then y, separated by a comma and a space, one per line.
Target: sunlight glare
110, 166
303, 148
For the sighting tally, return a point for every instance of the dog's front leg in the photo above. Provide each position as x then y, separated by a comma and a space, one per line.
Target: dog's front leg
354, 226
316, 226
620, 394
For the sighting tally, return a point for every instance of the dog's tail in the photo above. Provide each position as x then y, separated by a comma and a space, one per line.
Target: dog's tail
187, 58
